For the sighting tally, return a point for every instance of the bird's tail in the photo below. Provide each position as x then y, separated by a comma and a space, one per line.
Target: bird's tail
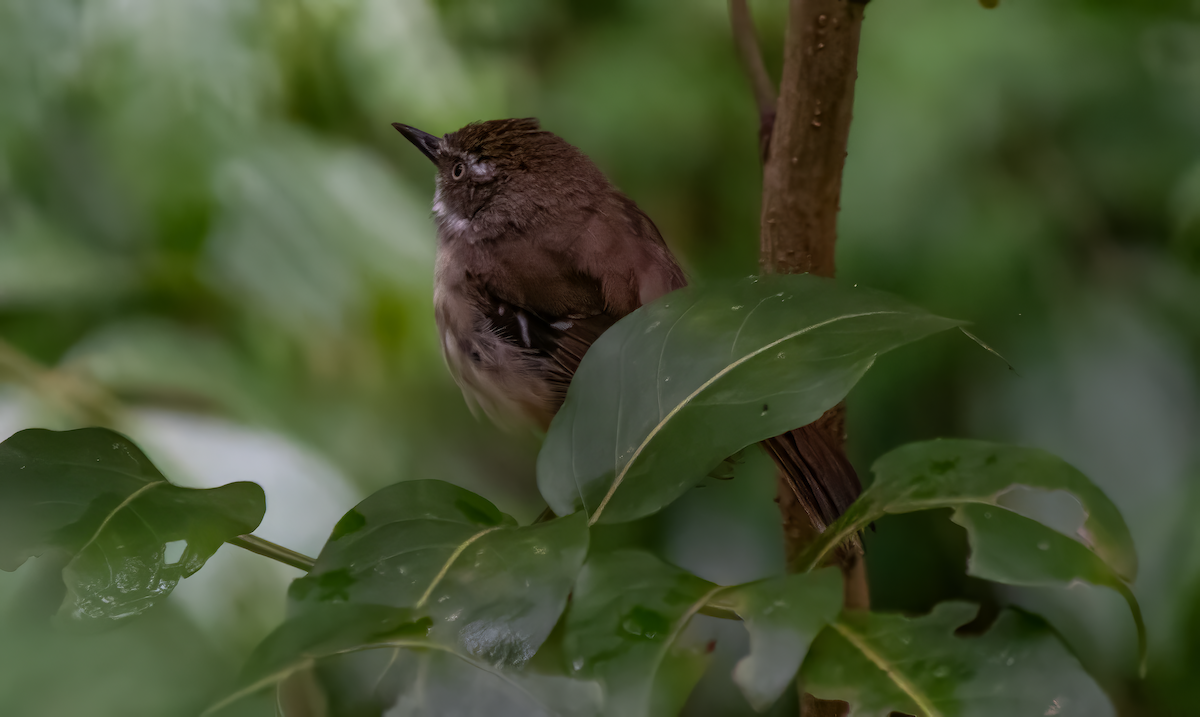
813, 465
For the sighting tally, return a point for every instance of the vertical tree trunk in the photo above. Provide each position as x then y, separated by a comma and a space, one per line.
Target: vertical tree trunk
805, 153
802, 178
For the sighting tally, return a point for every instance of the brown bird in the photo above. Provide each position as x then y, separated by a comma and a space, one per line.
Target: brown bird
537, 255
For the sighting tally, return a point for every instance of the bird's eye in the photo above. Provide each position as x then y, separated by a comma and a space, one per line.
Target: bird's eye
459, 170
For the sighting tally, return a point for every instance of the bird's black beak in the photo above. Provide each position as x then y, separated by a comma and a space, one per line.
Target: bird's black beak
427, 143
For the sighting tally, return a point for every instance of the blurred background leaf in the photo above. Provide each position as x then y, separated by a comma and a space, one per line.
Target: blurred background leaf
204, 210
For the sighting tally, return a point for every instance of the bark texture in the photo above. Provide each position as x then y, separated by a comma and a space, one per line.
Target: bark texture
802, 178
802, 183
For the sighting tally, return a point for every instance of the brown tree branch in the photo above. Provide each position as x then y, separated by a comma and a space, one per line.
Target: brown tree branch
746, 40
802, 179
802, 183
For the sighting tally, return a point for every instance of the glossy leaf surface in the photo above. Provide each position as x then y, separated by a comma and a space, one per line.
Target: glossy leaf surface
628, 613
680, 384
92, 494
948, 473
782, 615
973, 477
490, 587
384, 658
883, 663
1009, 548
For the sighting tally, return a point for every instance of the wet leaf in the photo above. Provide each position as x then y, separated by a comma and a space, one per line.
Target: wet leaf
491, 588
92, 494
628, 619
678, 385
947, 473
408, 683
783, 615
384, 657
883, 663
628, 612
973, 477
1009, 548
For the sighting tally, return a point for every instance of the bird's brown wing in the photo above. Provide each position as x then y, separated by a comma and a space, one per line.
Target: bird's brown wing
561, 341
556, 288
600, 270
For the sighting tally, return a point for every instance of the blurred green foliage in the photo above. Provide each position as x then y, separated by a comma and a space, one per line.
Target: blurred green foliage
205, 212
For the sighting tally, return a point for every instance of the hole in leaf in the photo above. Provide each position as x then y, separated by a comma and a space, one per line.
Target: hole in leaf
173, 551
1056, 509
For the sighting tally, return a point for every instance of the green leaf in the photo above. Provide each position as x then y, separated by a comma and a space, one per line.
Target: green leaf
1015, 550
783, 615
973, 477
491, 587
680, 384
946, 473
883, 663
434, 682
386, 657
628, 611
93, 494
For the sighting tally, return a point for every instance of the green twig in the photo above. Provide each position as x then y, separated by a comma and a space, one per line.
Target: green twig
73, 393
267, 549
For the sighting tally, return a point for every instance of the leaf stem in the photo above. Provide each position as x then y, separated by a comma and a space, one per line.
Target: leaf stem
814, 554
267, 549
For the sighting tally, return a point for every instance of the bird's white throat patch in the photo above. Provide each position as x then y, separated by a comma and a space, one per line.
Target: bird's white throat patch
448, 220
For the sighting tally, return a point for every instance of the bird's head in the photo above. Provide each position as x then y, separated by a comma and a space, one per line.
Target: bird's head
501, 174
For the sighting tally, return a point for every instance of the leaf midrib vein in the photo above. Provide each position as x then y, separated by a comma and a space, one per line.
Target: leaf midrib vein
121, 506
889, 668
678, 629
450, 561
704, 386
